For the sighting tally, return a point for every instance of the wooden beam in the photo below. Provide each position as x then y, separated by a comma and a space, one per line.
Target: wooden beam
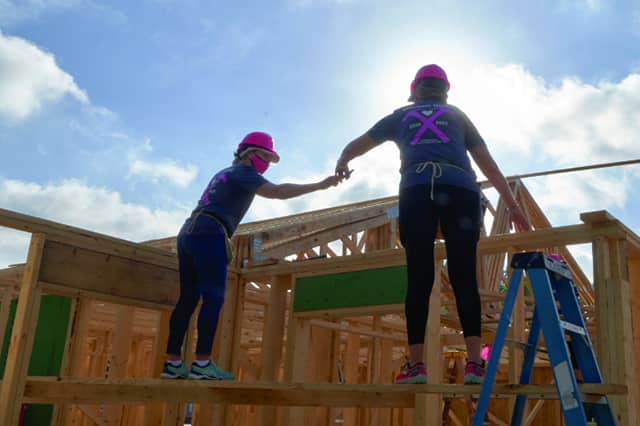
118, 359
226, 333
5, 308
351, 363
10, 278
304, 223
41, 390
154, 412
272, 340
128, 281
486, 184
296, 363
280, 249
428, 407
565, 235
602, 218
22, 335
74, 348
614, 328
380, 361
234, 362
357, 330
634, 289
534, 412
87, 239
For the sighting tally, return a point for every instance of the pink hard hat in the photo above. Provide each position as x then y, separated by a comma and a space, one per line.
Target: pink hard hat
431, 70
259, 141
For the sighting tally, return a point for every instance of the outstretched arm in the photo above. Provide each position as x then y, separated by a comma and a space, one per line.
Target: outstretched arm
290, 190
354, 149
488, 166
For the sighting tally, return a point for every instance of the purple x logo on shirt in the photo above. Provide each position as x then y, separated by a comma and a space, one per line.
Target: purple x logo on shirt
427, 124
219, 178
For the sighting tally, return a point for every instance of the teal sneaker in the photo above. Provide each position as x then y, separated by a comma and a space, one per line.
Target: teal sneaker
209, 372
172, 372
412, 374
474, 373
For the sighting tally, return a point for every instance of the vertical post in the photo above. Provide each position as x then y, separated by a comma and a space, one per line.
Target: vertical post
351, 364
375, 366
296, 364
154, 411
320, 371
614, 328
235, 348
60, 412
634, 288
5, 308
119, 358
24, 327
336, 365
272, 341
428, 406
516, 333
226, 330
380, 371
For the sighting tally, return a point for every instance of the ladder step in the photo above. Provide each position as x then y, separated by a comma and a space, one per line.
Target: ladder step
573, 328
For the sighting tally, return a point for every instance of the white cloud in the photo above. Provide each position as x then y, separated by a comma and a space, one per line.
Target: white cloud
164, 170
375, 175
530, 125
564, 197
30, 78
572, 123
13, 247
75, 203
12, 11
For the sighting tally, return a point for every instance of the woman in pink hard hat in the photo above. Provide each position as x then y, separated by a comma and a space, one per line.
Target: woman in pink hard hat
438, 187
204, 249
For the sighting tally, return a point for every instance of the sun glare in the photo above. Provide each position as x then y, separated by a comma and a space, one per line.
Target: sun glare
393, 79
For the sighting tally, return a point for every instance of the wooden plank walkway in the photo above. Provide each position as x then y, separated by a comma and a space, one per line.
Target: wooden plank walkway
131, 391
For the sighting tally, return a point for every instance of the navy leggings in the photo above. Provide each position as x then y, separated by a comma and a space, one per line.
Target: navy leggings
203, 274
458, 212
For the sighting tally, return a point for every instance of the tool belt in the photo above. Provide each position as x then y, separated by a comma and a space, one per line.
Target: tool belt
228, 247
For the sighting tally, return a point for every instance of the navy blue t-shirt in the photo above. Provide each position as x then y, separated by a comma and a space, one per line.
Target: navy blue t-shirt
228, 196
431, 131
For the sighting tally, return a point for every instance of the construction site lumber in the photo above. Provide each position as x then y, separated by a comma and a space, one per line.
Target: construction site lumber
486, 184
136, 391
276, 345
87, 239
564, 235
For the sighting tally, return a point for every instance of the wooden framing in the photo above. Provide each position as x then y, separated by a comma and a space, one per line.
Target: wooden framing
15, 375
276, 352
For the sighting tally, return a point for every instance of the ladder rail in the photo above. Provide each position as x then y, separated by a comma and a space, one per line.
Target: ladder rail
559, 356
555, 295
496, 348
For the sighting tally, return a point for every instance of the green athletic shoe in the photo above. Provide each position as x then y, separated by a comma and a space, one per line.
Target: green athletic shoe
209, 372
171, 372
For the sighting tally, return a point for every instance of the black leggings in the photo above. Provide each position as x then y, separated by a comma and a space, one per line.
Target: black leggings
458, 211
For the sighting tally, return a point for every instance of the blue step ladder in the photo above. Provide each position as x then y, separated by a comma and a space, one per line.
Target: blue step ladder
551, 284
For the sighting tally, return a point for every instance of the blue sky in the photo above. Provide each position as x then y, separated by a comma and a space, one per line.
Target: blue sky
114, 115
